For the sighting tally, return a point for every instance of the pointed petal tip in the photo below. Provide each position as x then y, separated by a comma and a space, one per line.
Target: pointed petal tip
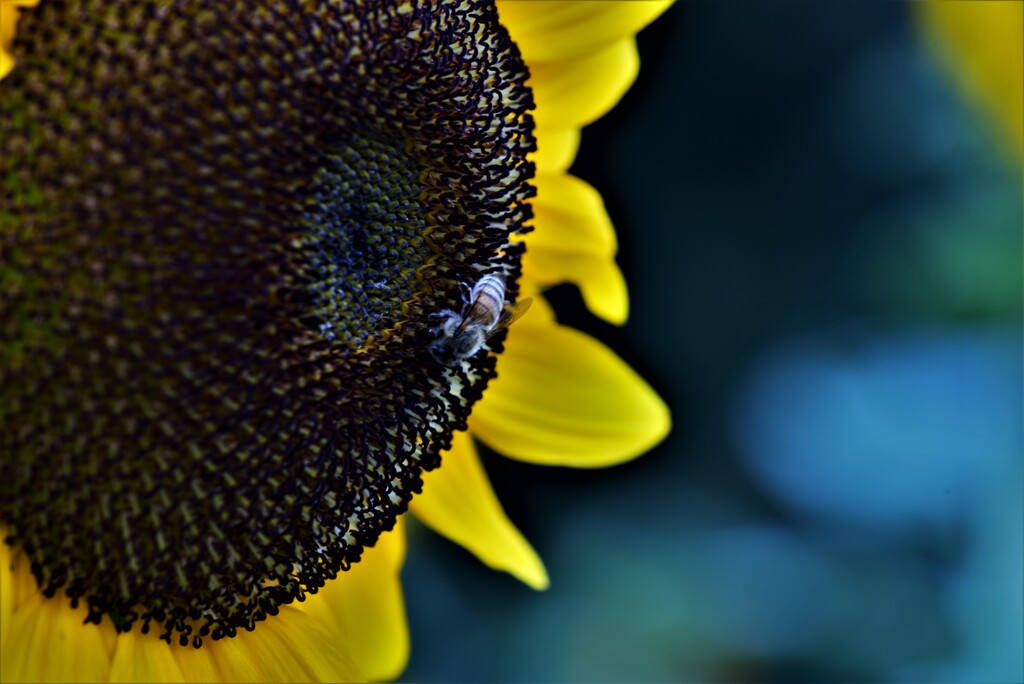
459, 503
537, 579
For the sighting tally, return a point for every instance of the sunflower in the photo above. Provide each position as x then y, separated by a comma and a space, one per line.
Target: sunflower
227, 235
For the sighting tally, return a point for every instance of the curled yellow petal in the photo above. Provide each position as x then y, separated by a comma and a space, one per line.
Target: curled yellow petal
560, 30
459, 503
563, 398
573, 241
365, 611
576, 92
599, 279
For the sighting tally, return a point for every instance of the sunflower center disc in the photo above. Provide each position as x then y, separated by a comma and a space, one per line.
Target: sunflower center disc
362, 234
223, 230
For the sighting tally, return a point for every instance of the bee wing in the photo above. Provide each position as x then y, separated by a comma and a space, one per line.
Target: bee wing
511, 313
477, 316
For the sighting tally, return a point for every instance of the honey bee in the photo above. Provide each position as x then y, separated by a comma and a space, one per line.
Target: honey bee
485, 313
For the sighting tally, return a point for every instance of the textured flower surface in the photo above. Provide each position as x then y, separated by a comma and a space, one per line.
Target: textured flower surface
226, 236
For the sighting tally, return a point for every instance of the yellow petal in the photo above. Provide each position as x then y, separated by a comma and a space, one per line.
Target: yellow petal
556, 149
310, 642
983, 44
6, 63
293, 646
6, 589
599, 279
559, 30
540, 312
8, 20
144, 658
364, 607
459, 503
197, 664
47, 642
570, 216
576, 92
573, 241
24, 581
563, 398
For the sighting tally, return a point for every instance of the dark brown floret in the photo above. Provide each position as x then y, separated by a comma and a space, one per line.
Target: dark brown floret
223, 228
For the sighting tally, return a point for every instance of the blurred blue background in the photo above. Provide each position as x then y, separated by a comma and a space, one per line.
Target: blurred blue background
824, 250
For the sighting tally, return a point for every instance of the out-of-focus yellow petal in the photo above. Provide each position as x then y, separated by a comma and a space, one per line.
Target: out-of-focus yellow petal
563, 398
459, 503
983, 45
560, 30
365, 610
144, 658
556, 149
576, 92
573, 241
47, 642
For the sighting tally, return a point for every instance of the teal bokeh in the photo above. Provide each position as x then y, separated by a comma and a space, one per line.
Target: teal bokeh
824, 249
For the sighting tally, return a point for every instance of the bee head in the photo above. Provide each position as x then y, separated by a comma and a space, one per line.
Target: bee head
449, 350
443, 351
